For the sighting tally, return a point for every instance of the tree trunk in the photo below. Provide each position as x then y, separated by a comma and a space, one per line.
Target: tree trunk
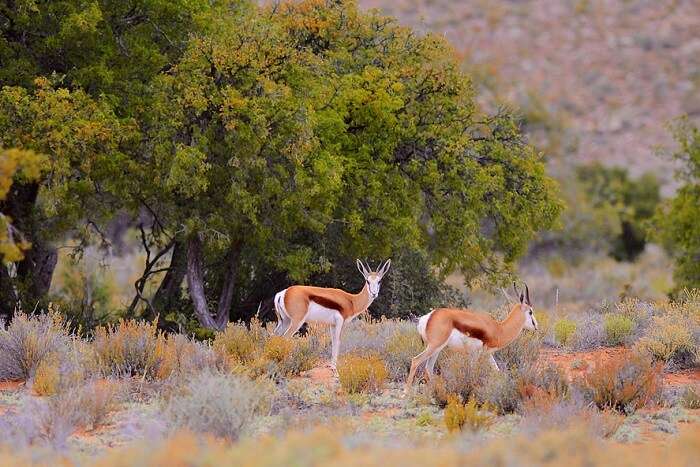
35, 271
195, 283
224, 309
167, 296
8, 298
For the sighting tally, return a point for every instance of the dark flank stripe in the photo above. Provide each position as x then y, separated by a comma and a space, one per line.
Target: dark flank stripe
326, 302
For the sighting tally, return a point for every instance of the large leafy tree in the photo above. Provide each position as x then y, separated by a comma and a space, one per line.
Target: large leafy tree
294, 138
258, 146
678, 219
74, 76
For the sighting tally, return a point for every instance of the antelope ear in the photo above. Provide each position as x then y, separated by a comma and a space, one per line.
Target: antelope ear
522, 297
362, 269
385, 268
527, 295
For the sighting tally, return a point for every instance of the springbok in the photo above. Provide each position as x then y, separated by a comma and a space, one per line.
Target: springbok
301, 303
471, 330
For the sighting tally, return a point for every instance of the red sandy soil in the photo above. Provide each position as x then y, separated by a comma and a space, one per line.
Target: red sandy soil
321, 375
585, 360
11, 385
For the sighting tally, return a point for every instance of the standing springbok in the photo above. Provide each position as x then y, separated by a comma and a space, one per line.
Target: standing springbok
467, 329
301, 303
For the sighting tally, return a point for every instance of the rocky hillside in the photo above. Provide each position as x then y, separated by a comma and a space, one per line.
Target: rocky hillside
611, 73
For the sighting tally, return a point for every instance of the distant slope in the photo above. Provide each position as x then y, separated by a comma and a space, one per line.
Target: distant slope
616, 71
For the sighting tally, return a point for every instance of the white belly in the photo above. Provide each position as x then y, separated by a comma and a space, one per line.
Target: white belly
321, 314
457, 340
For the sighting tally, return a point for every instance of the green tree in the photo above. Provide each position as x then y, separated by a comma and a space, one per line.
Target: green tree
62, 60
677, 220
292, 138
629, 203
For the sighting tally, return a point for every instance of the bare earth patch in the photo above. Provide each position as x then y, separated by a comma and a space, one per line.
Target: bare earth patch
578, 363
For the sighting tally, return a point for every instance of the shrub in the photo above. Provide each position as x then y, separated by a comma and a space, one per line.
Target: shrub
522, 354
564, 329
403, 344
237, 343
53, 419
458, 416
461, 374
30, 341
47, 377
177, 355
362, 373
589, 333
618, 328
223, 405
96, 400
127, 349
691, 397
305, 355
624, 384
670, 339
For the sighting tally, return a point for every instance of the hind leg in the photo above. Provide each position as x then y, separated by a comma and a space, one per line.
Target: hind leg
294, 326
417, 361
430, 364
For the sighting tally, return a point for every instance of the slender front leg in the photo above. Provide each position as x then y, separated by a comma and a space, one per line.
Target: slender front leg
336, 330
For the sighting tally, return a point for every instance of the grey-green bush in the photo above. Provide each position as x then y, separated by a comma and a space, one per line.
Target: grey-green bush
223, 405
28, 341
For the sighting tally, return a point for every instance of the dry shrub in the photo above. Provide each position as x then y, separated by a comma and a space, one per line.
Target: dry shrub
29, 341
462, 373
403, 344
47, 377
625, 384
98, 399
362, 373
223, 405
471, 416
574, 446
564, 330
691, 397
127, 349
237, 342
618, 328
178, 355
671, 340
51, 420
545, 412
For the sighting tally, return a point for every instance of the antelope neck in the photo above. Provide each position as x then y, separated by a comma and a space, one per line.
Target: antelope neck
511, 326
362, 300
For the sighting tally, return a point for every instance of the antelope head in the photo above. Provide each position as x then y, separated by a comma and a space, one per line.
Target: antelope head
373, 279
526, 308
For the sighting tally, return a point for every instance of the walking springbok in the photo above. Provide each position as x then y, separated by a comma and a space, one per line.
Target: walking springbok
301, 303
467, 329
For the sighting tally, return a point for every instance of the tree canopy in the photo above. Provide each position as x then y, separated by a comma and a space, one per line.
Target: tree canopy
677, 219
258, 146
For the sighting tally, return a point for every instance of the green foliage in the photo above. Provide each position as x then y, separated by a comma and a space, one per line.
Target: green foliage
630, 202
564, 330
27, 165
676, 220
290, 138
618, 328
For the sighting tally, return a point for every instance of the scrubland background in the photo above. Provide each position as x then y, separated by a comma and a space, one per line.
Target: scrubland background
148, 146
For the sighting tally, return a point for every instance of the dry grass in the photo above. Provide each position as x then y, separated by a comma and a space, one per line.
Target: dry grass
625, 384
470, 415
362, 373
30, 342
